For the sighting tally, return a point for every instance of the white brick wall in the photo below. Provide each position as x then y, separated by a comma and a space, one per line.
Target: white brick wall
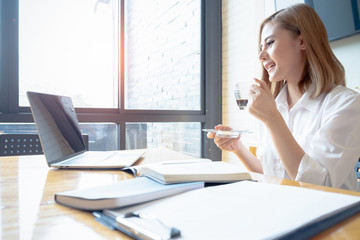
163, 54
241, 21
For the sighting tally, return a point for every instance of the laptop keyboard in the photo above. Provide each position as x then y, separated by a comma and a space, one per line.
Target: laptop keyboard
89, 159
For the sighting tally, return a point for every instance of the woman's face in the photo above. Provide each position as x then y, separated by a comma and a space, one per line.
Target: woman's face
282, 54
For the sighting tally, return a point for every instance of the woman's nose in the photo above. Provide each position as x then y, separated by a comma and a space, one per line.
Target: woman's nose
262, 55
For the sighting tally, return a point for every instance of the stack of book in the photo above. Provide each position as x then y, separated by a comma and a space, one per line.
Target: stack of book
153, 182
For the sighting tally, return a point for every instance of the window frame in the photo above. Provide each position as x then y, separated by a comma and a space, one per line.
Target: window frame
211, 83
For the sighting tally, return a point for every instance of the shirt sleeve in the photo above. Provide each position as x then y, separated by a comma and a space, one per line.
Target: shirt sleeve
335, 147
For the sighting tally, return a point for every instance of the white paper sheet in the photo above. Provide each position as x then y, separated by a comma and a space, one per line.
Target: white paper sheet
243, 210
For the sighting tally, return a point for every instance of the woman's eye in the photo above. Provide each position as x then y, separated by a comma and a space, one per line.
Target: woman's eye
268, 44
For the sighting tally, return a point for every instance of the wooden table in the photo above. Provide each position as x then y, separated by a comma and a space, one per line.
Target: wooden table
28, 210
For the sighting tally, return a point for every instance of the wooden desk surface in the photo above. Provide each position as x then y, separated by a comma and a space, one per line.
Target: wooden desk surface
28, 210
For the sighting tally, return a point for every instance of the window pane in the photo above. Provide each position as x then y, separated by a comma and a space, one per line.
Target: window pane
69, 48
23, 128
162, 54
181, 137
102, 136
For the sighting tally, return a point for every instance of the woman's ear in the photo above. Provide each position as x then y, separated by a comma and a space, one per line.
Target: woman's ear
301, 42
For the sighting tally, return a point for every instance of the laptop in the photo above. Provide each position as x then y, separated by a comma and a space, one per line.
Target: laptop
62, 140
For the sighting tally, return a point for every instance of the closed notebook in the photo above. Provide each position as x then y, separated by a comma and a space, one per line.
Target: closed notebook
208, 171
121, 194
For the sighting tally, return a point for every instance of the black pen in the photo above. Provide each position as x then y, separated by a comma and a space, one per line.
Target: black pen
112, 224
131, 229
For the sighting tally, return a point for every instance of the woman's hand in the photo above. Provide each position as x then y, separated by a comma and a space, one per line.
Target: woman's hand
261, 102
235, 145
225, 144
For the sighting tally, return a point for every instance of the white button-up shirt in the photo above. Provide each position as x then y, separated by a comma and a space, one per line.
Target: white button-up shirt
328, 130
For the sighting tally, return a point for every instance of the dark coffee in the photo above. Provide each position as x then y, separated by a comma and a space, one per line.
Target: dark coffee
242, 103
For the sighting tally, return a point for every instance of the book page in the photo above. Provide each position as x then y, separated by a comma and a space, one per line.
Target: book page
216, 171
136, 170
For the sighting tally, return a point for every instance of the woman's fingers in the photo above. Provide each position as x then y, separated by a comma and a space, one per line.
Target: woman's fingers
211, 135
228, 144
223, 128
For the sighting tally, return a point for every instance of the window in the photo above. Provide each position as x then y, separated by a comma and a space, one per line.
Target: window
139, 71
180, 136
162, 55
66, 46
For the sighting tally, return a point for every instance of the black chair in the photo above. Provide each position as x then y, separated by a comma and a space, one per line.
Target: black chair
24, 144
20, 144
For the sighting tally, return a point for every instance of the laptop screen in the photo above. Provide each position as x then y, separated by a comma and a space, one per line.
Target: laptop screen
57, 125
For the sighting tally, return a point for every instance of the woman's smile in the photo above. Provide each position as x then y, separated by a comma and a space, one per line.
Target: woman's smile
269, 66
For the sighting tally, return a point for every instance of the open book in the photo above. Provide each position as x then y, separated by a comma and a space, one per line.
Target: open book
121, 194
203, 170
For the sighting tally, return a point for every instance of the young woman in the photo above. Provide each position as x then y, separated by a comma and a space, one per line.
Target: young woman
310, 123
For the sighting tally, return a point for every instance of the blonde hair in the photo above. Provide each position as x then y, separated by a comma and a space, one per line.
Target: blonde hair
322, 68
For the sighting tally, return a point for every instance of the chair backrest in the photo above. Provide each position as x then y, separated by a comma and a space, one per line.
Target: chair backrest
24, 144
357, 169
20, 144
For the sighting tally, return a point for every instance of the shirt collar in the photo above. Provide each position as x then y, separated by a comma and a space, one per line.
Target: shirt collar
306, 100
281, 99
